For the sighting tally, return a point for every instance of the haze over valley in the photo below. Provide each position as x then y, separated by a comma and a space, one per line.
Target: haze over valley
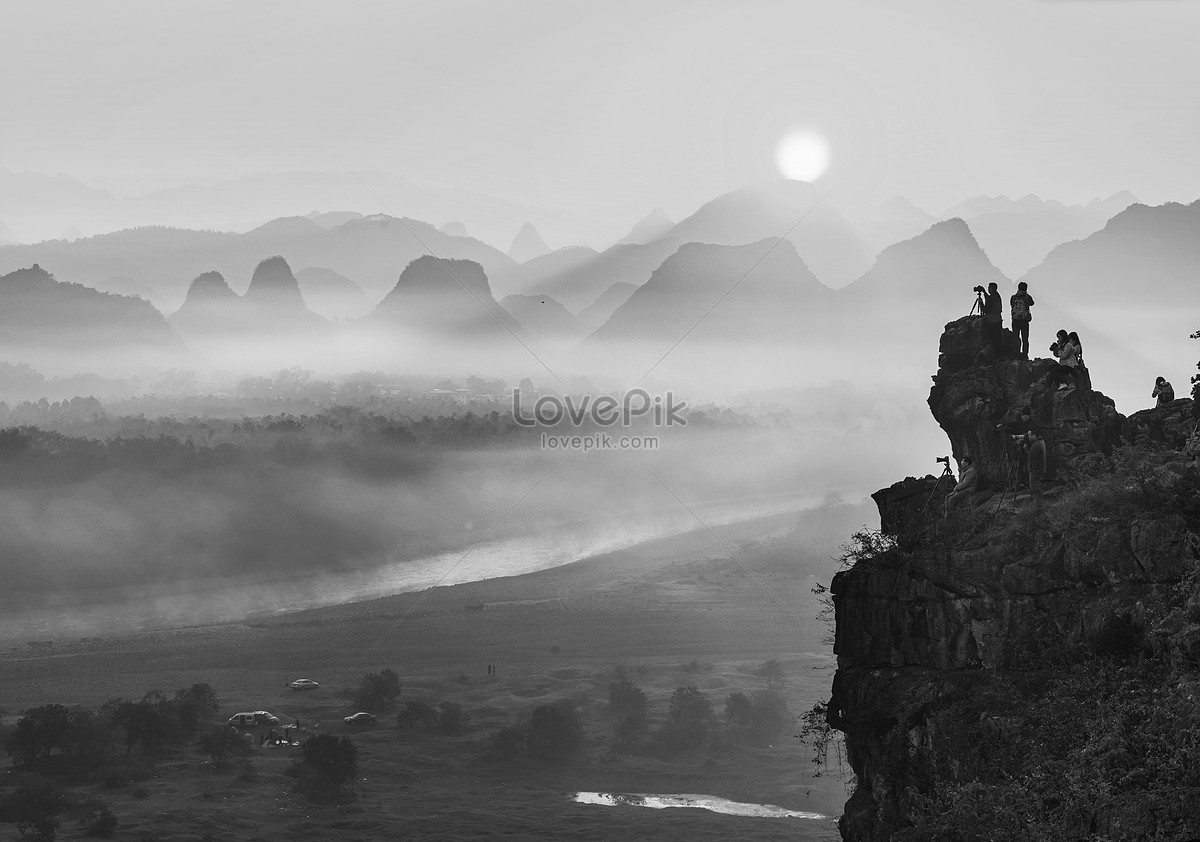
519, 375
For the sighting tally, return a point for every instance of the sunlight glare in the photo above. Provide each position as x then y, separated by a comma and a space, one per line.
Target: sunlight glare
803, 156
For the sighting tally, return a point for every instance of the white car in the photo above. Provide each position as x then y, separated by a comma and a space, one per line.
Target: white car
303, 684
360, 718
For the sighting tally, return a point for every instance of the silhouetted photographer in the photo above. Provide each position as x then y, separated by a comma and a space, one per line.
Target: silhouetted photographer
992, 308
1163, 391
968, 482
1068, 353
1019, 308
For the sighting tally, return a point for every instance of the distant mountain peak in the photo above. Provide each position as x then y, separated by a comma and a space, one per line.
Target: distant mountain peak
528, 244
208, 287
288, 225
902, 208
41, 316
35, 274
955, 228
428, 274
274, 284
649, 228
332, 219
433, 294
455, 229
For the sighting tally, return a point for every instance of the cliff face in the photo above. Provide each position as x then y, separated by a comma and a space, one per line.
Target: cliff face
1006, 588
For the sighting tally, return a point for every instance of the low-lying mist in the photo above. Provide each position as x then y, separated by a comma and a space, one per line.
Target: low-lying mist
295, 495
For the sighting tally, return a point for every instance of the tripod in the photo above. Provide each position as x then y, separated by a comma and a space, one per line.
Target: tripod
946, 474
977, 306
1009, 476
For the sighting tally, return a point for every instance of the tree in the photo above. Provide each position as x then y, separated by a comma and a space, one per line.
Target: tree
689, 706
195, 704
34, 805
771, 672
771, 715
627, 704
41, 730
739, 711
507, 743
222, 743
687, 725
97, 819
417, 713
148, 723
451, 718
377, 690
555, 731
328, 766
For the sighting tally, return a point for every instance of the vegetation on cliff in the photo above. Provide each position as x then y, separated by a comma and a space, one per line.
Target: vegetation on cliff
1102, 739
1023, 668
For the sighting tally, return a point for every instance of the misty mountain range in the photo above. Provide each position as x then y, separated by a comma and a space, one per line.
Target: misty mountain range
595, 305
37, 206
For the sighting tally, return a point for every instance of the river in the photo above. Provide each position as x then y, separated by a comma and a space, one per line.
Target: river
79, 613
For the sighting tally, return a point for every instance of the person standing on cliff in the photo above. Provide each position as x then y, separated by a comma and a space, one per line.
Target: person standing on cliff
1018, 308
993, 319
1067, 353
968, 481
1163, 391
1037, 464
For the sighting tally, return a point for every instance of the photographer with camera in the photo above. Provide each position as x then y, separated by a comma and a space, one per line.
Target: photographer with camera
968, 482
1067, 353
1163, 391
993, 317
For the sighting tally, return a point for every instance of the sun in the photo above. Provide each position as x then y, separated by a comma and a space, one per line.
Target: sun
803, 156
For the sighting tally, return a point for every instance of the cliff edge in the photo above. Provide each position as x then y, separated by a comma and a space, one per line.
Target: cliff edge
1026, 668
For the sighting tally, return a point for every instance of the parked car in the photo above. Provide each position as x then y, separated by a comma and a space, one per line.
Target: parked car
360, 718
244, 719
303, 684
263, 717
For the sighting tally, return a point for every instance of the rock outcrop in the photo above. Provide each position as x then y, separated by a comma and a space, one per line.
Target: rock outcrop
1002, 589
1168, 425
981, 401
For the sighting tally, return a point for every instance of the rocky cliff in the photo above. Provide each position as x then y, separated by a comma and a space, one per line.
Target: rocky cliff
958, 639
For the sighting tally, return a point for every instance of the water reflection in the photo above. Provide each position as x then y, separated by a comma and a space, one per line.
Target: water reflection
704, 802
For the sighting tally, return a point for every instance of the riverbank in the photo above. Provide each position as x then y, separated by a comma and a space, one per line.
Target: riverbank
672, 612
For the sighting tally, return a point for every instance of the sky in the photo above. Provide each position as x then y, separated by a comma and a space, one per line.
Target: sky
612, 108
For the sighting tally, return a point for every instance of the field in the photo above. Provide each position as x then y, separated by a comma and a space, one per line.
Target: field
673, 612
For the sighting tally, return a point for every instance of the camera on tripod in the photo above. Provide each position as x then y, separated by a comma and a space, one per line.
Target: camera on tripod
978, 289
1019, 438
945, 460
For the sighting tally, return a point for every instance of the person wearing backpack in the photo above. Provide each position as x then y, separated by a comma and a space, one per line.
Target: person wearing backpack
1018, 306
1163, 390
